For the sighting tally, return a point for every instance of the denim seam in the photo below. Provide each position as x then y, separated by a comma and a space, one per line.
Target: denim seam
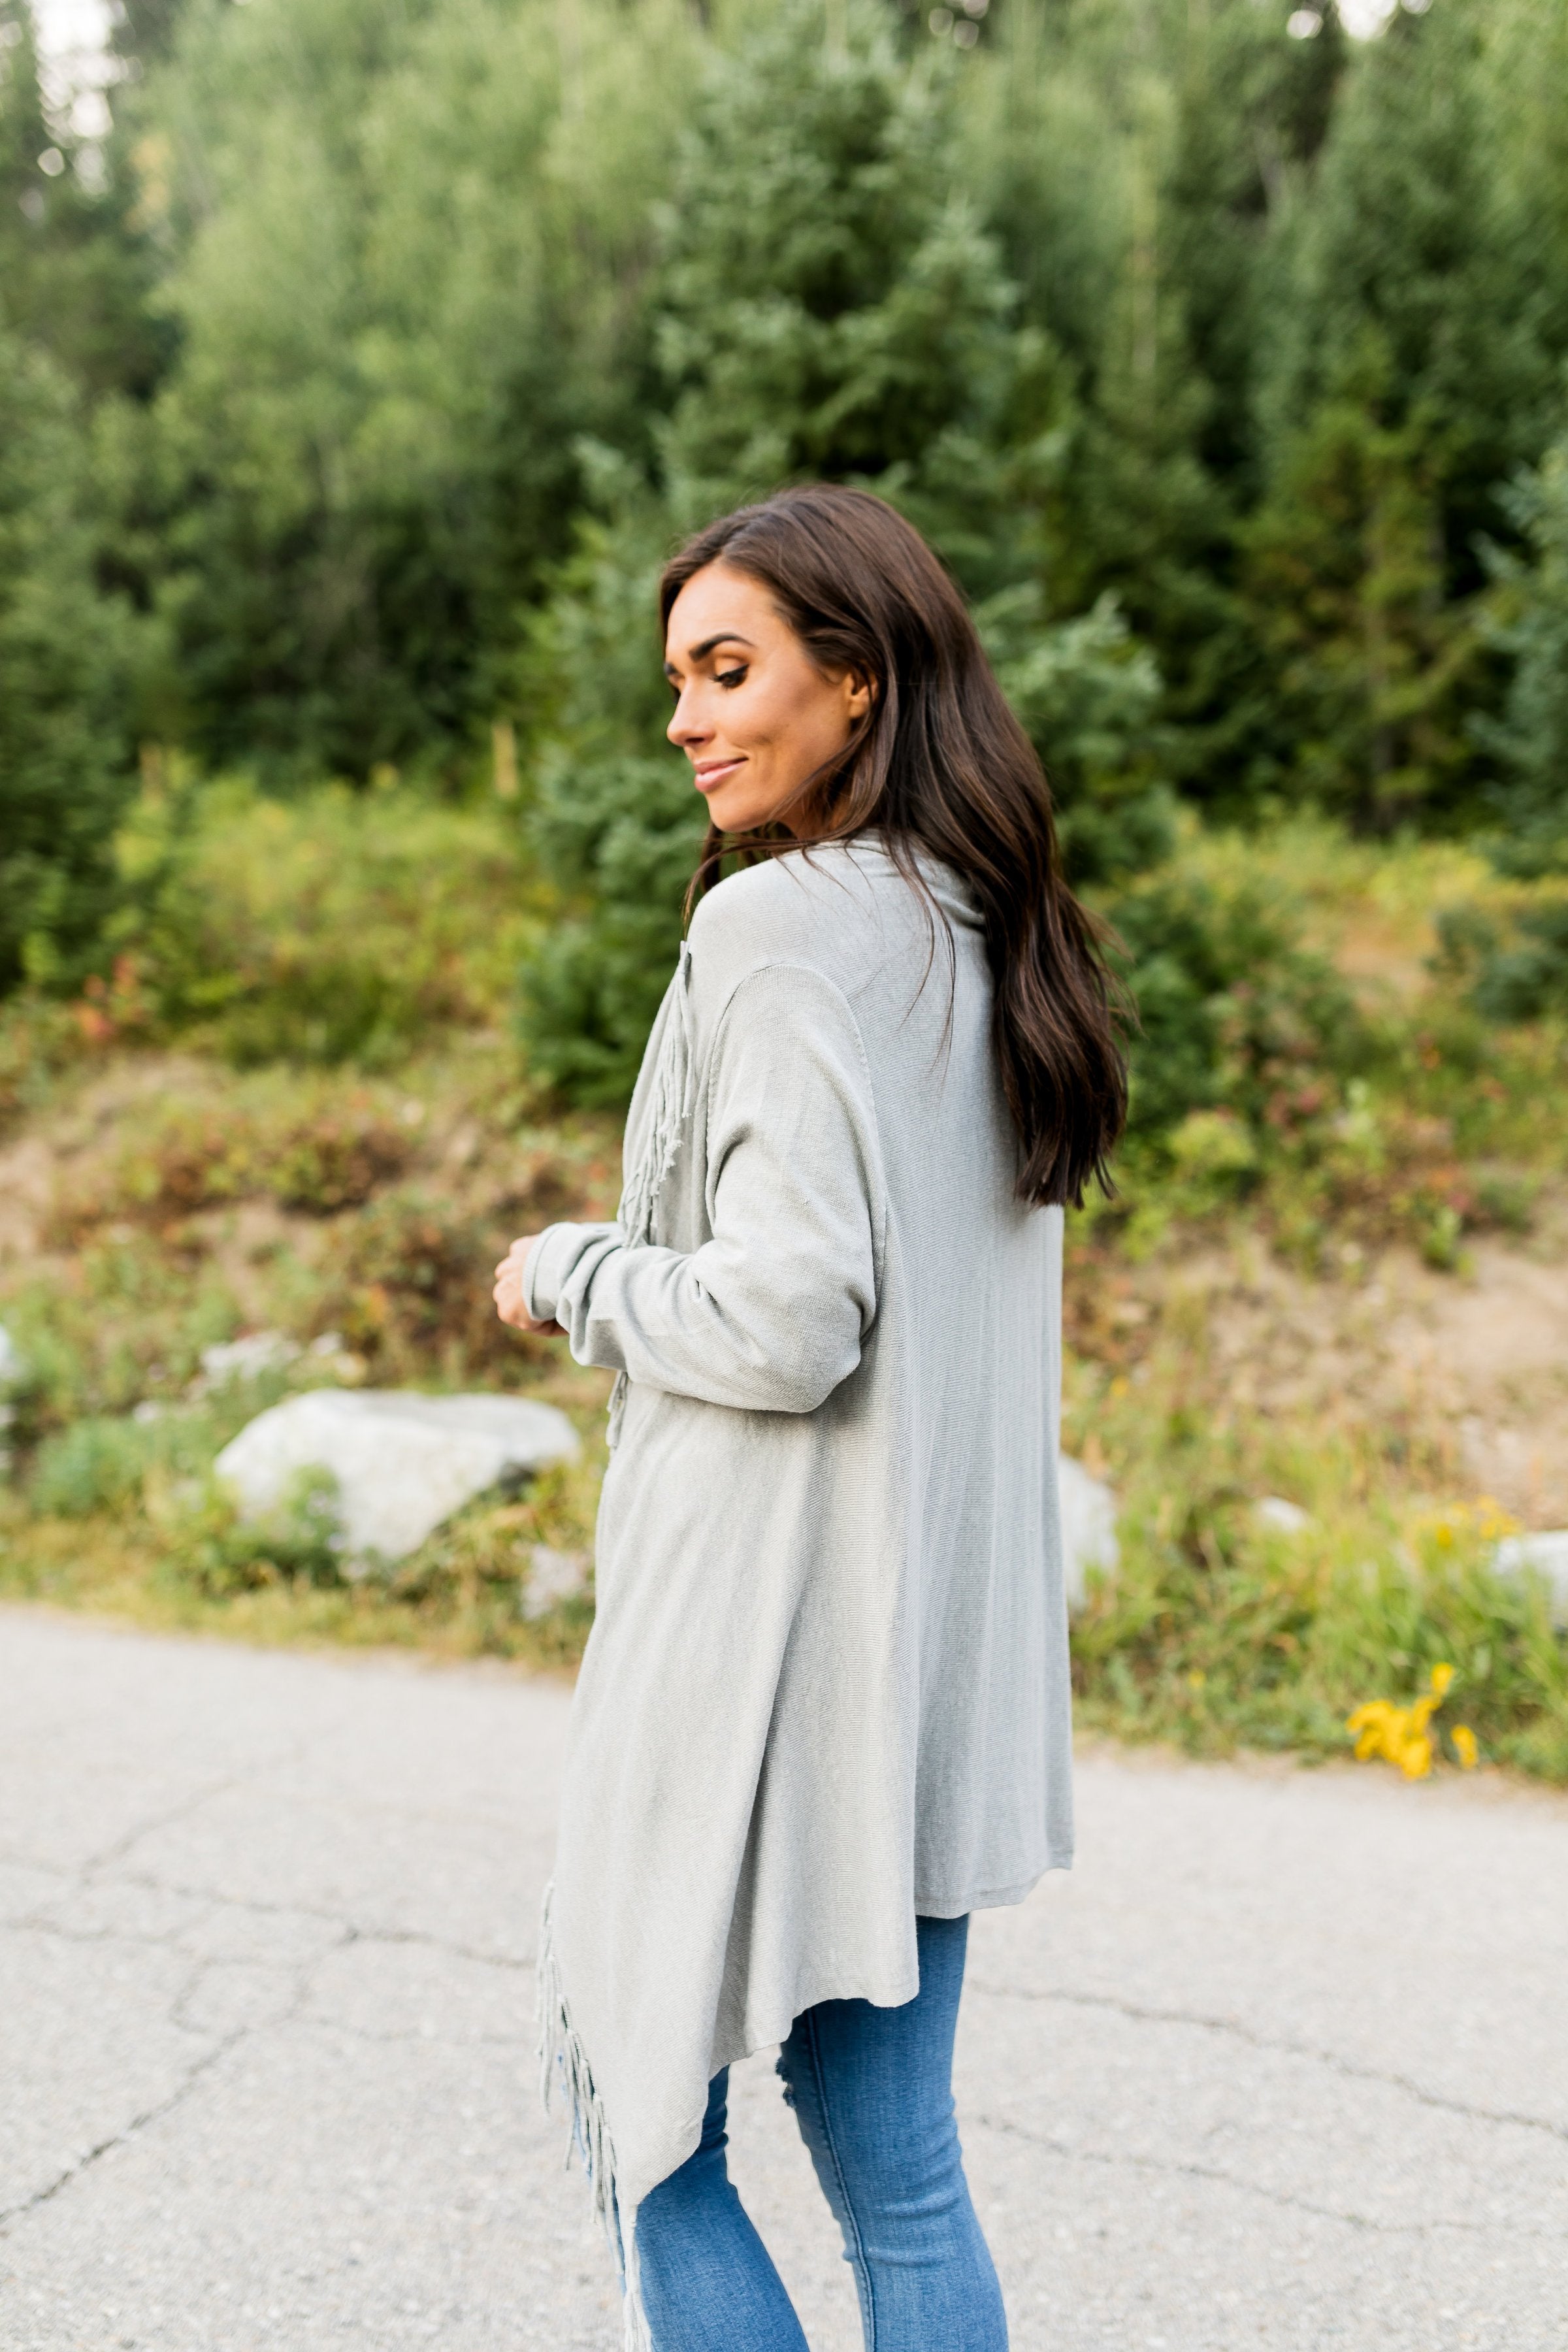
851, 2222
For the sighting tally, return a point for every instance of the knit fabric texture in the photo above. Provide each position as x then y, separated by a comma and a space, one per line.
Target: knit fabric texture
826, 1688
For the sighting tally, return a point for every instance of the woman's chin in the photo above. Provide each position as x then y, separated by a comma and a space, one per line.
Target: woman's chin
737, 811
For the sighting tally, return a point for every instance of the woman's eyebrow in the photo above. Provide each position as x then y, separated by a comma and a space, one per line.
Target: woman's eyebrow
700, 653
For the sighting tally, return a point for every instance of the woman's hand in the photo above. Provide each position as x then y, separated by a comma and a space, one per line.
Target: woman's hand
511, 1291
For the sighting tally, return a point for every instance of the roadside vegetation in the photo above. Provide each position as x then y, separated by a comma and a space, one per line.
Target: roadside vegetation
358, 368
1329, 1135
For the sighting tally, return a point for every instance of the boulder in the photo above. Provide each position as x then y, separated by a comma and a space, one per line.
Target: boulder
242, 1360
553, 1575
1089, 1527
1285, 1519
403, 1462
1547, 1554
272, 1352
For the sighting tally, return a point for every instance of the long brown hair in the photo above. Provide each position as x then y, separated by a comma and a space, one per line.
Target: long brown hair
939, 764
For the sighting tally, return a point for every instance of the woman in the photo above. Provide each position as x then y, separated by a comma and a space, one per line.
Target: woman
823, 1713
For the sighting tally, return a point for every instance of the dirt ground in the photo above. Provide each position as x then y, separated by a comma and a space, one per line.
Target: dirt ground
1477, 1356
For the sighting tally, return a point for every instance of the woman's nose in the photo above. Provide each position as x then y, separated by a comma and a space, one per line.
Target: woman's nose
685, 728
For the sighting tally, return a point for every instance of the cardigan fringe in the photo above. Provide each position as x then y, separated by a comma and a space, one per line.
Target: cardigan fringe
562, 2057
671, 1107
563, 2061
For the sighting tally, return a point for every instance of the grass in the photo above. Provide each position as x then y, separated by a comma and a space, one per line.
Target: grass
174, 1184
178, 1562
1221, 1630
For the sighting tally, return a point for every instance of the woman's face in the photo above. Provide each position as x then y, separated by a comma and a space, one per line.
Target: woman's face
753, 714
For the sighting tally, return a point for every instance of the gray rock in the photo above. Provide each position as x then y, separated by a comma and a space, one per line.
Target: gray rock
241, 1360
1088, 1527
403, 1462
1547, 1554
273, 1351
12, 1366
553, 1575
1286, 1519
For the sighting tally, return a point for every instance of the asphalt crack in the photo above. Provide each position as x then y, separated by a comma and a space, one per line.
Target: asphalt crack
31, 1923
522, 1963
1113, 2159
1347, 2067
416, 2037
93, 1877
174, 2099
127, 2132
180, 1813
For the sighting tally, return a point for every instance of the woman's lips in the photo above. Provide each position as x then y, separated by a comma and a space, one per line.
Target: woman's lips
709, 772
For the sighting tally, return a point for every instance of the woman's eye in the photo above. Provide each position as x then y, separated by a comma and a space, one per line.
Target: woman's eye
731, 676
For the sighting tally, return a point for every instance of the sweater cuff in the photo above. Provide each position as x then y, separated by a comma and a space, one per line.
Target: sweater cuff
551, 1263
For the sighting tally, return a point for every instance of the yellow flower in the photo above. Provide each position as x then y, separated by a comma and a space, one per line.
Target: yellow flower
1465, 1747
1400, 1734
1384, 1729
1484, 1519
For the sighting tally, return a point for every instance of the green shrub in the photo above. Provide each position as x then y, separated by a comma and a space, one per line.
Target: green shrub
335, 927
1518, 972
40, 1040
96, 1465
408, 1282
123, 1321
1232, 1011
1087, 694
1530, 978
318, 1147
614, 823
622, 835
1217, 1630
1530, 741
207, 1547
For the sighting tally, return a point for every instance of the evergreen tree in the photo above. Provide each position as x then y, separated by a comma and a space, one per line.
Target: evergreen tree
75, 270
1136, 160
614, 819
73, 333
67, 671
1374, 663
1089, 696
411, 245
1532, 741
1408, 384
826, 308
396, 335
828, 304
1525, 76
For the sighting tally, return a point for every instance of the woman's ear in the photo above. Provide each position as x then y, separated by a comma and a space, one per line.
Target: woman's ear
862, 695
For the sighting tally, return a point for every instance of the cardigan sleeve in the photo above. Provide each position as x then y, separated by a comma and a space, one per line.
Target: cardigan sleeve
771, 1312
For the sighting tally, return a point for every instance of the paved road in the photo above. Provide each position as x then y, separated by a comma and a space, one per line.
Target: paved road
1284, 2064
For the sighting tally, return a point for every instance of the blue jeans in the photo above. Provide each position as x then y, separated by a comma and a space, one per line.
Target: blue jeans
871, 2092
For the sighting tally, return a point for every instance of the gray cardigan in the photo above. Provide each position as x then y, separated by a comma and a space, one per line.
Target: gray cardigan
827, 1689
